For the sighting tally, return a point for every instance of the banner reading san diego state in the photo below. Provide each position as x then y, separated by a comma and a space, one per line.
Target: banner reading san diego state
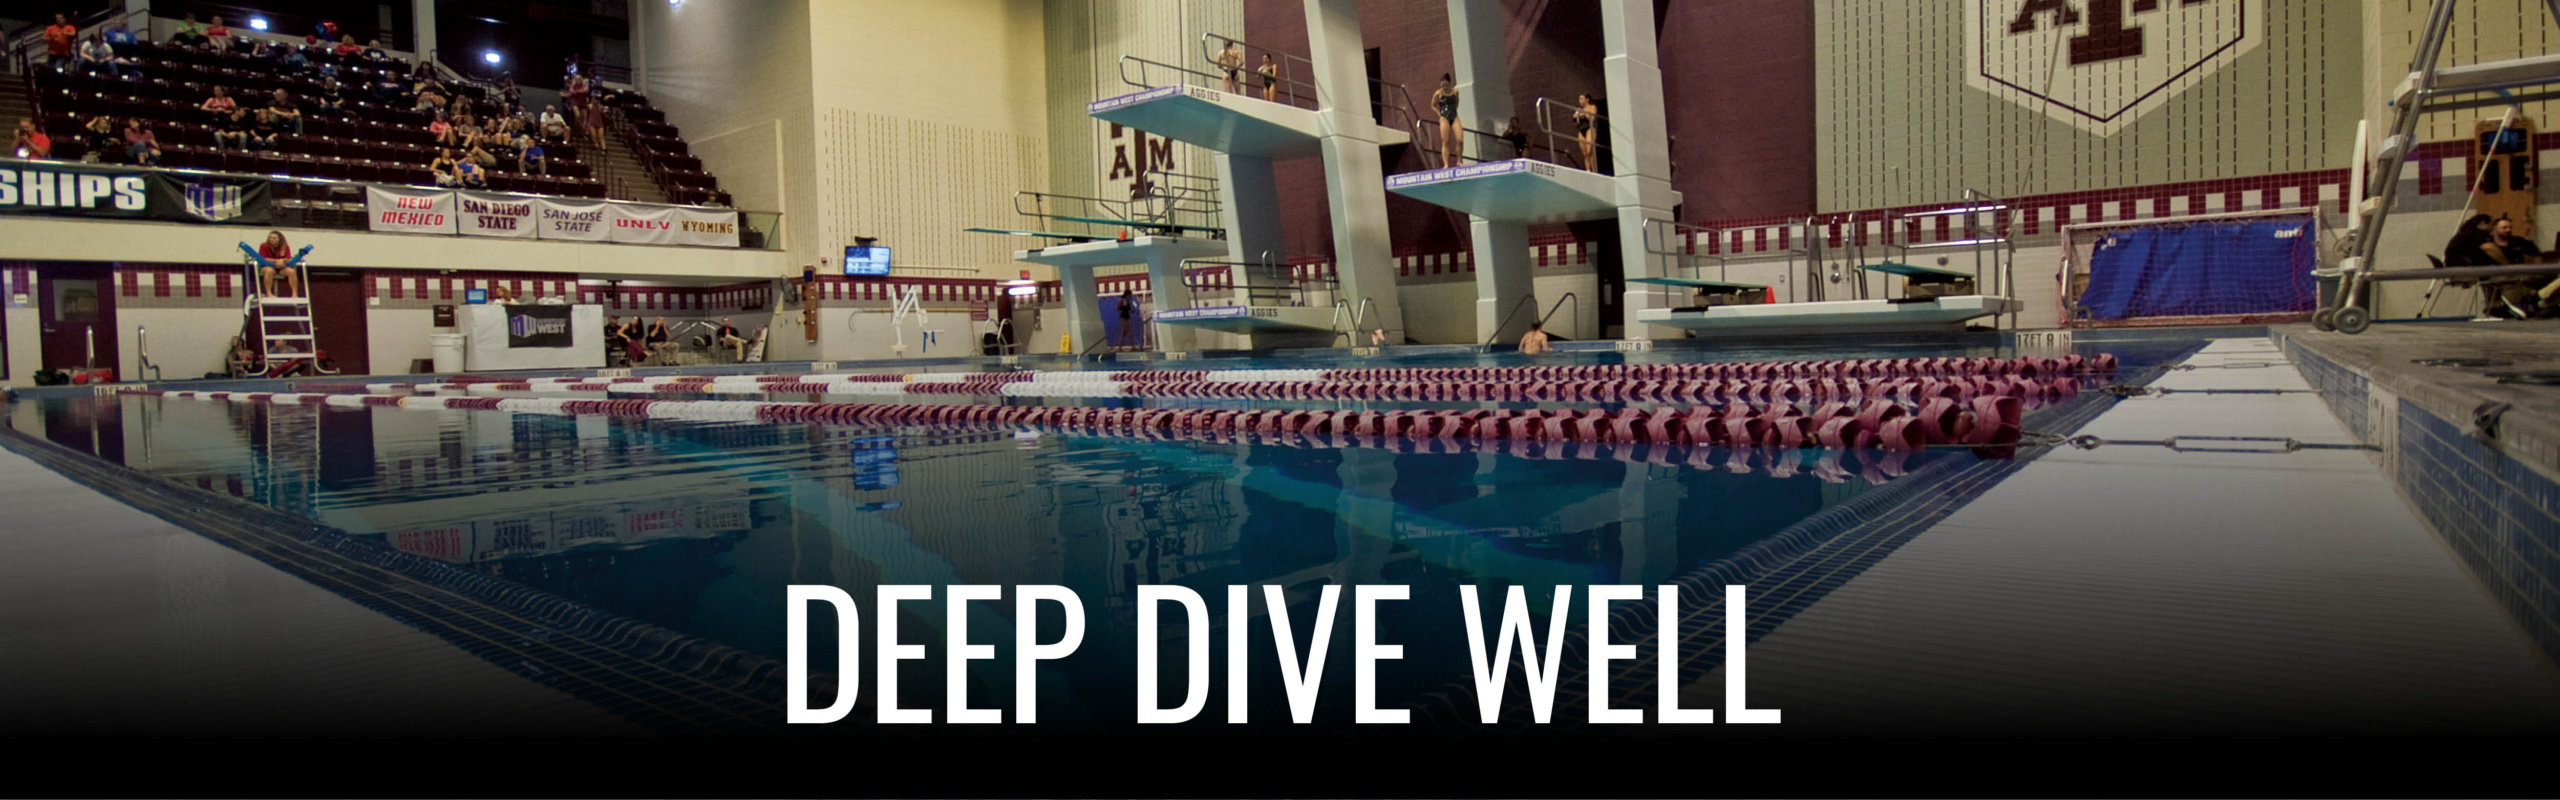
483, 214
539, 326
402, 210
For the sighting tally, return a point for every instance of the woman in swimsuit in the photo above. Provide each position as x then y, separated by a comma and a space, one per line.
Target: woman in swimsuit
1586, 112
1270, 78
1445, 103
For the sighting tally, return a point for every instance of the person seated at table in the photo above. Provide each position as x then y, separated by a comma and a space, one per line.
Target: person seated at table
1535, 341
662, 342
728, 337
614, 337
2512, 297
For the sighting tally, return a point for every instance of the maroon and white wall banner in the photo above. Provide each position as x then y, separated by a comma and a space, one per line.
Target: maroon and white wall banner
399, 210
637, 224
571, 220
509, 216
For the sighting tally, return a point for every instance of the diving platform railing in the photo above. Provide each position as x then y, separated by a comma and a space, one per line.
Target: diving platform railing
1284, 81
1187, 205
1269, 282
1567, 301
1678, 241
1994, 253
1547, 108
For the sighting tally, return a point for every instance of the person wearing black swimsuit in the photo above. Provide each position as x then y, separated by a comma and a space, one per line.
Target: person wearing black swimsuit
1445, 103
1585, 112
1270, 78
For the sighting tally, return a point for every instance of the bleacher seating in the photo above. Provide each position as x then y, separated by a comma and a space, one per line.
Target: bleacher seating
371, 142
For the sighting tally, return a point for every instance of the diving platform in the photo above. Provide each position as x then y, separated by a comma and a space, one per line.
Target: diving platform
1114, 252
1251, 319
1518, 190
1225, 122
1942, 314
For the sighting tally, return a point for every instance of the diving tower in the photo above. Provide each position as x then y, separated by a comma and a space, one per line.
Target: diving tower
1179, 219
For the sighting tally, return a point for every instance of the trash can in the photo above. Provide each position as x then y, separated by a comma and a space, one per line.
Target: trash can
447, 348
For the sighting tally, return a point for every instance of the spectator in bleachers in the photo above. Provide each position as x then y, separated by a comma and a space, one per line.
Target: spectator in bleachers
530, 159
508, 93
553, 126
276, 251
96, 56
325, 69
373, 51
592, 119
31, 141
262, 131
232, 130
58, 38
480, 156
466, 130
219, 106
140, 145
471, 175
390, 91
101, 137
347, 50
218, 36
288, 113
119, 37
441, 130
255, 48
290, 60
190, 34
430, 96
578, 90
443, 167
331, 101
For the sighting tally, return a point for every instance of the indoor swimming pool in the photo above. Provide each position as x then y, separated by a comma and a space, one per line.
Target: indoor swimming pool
696, 526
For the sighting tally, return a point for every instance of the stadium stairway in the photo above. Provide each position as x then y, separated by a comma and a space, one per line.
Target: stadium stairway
631, 179
14, 103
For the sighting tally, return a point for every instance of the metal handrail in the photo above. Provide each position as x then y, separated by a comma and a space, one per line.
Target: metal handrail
1130, 211
1546, 123
1559, 306
1525, 300
1004, 344
142, 351
1286, 81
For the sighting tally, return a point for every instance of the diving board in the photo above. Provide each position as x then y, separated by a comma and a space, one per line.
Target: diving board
1700, 284
1250, 319
1224, 122
1518, 190
1163, 256
1072, 237
1944, 314
1915, 271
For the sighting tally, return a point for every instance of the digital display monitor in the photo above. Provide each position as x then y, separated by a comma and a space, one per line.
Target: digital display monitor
2502, 142
859, 260
475, 296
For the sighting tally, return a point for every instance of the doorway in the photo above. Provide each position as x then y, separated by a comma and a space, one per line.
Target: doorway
338, 320
76, 313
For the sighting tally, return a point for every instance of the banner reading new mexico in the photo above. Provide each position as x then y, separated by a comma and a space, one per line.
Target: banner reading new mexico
400, 210
639, 224
485, 214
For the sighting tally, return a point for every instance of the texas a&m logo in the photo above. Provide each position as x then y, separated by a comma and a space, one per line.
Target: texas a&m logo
2100, 64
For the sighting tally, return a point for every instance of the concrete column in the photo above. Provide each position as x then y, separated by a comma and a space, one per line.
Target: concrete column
1501, 249
1084, 307
1251, 213
1640, 145
1164, 277
1355, 177
422, 26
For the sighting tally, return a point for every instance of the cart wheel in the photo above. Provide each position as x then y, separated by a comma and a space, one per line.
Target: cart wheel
2353, 321
2324, 320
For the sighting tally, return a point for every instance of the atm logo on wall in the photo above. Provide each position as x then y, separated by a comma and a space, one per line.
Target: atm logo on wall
2101, 64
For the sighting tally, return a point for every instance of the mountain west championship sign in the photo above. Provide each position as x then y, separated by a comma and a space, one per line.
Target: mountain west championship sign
2100, 64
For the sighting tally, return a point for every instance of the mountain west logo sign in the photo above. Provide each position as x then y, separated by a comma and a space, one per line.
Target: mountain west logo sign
2100, 64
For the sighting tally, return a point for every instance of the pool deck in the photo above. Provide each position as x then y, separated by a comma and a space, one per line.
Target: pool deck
114, 622
2131, 589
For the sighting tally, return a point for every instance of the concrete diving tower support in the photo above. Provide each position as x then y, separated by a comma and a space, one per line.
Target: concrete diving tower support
1163, 256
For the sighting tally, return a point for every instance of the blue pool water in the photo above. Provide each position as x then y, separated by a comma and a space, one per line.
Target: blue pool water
699, 527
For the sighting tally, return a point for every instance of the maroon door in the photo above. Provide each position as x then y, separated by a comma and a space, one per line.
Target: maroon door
337, 314
75, 302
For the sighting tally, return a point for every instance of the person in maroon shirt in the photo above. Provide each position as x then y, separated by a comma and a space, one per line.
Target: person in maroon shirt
140, 144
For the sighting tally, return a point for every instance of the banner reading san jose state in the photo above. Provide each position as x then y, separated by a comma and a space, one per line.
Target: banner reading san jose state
539, 326
572, 220
404, 210
502, 215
